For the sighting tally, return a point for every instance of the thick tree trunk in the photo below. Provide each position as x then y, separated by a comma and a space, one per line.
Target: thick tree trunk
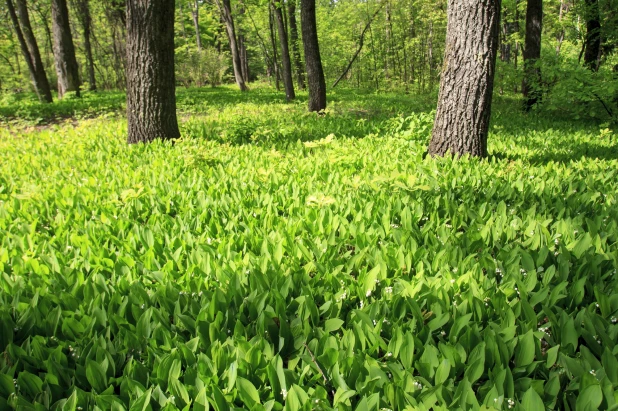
64, 50
151, 98
532, 53
313, 61
467, 81
85, 20
30, 49
286, 62
226, 13
196, 23
593, 35
300, 72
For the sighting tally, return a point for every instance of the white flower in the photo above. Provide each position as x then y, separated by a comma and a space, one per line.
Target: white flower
368, 293
284, 392
614, 320
389, 354
593, 373
388, 290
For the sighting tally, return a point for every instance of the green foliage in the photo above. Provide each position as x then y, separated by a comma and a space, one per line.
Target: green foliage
334, 272
199, 68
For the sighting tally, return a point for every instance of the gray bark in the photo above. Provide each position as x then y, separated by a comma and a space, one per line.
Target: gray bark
64, 50
196, 23
30, 49
300, 72
467, 81
85, 19
286, 62
151, 98
226, 14
313, 61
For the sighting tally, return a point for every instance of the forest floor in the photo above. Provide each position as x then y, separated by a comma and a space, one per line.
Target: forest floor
275, 258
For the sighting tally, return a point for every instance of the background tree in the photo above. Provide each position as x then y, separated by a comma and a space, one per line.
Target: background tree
64, 50
464, 103
30, 49
531, 85
286, 62
85, 20
298, 64
151, 98
313, 61
592, 54
226, 14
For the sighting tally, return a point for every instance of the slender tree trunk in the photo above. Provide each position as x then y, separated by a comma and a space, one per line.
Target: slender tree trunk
288, 82
300, 72
85, 19
464, 104
593, 35
30, 49
532, 53
244, 59
196, 22
182, 22
561, 13
226, 13
313, 61
151, 98
273, 43
64, 50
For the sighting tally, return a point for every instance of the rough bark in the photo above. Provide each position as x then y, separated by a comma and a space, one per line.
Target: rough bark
196, 23
151, 98
64, 50
298, 65
313, 61
464, 103
226, 14
85, 19
30, 49
532, 53
286, 62
593, 35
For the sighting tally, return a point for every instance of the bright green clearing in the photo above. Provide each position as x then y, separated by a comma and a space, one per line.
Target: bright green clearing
274, 259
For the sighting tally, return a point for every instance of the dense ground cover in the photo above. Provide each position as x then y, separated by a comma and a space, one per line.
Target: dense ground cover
273, 259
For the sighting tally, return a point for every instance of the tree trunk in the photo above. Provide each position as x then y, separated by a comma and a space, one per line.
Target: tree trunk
286, 62
64, 50
300, 72
30, 49
273, 43
151, 98
563, 10
467, 81
244, 59
86, 22
226, 13
196, 22
532, 53
593, 35
313, 61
